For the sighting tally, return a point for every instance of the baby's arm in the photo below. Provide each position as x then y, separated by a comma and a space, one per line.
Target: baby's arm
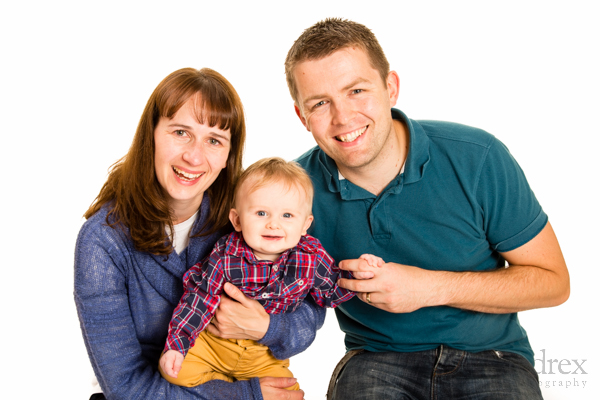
372, 260
170, 362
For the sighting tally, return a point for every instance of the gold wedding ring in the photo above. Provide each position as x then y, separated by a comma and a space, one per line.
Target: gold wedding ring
369, 297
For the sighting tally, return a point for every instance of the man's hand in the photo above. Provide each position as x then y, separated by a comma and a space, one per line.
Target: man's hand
393, 287
170, 362
239, 317
274, 389
536, 277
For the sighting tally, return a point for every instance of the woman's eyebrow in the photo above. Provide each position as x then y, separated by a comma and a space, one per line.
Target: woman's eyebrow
178, 125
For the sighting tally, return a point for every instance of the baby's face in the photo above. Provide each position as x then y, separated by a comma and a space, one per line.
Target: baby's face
271, 218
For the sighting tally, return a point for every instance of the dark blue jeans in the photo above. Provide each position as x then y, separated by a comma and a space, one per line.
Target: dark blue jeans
439, 374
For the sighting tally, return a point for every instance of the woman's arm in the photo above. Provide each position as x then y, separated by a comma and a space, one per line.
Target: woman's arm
287, 334
101, 296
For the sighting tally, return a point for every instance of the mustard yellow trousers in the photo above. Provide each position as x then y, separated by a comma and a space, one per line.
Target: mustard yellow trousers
229, 360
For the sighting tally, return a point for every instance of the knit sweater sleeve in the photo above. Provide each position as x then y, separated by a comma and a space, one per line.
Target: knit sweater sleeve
291, 333
101, 296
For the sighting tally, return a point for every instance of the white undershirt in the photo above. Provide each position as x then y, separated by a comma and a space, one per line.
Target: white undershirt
181, 237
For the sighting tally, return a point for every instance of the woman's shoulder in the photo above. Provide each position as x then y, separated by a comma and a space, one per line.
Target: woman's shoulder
98, 232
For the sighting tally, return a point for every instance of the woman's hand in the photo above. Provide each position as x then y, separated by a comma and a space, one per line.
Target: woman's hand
170, 362
239, 317
274, 389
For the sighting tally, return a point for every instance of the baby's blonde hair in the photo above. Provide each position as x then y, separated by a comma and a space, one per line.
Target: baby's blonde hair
275, 169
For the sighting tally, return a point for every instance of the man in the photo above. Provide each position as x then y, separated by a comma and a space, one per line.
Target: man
445, 205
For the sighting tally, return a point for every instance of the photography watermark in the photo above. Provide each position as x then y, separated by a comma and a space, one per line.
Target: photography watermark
561, 373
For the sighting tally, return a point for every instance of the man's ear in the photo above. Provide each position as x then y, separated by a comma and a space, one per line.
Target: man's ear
299, 114
393, 86
234, 217
307, 224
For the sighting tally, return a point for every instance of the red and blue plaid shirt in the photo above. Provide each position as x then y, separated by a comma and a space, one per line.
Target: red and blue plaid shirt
279, 286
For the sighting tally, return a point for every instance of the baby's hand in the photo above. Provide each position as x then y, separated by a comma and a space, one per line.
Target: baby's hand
372, 260
170, 362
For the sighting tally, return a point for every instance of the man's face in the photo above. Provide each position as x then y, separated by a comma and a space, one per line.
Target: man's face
344, 103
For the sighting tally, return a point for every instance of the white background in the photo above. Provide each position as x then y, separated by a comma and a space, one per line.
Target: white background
75, 77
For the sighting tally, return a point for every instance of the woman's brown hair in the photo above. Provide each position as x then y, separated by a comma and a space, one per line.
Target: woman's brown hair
136, 199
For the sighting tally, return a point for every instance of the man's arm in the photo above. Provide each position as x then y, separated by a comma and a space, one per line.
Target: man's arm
537, 277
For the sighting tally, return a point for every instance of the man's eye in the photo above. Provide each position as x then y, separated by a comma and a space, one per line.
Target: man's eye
319, 104
356, 91
287, 215
261, 213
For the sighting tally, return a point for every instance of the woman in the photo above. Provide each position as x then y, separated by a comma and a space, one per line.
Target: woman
160, 211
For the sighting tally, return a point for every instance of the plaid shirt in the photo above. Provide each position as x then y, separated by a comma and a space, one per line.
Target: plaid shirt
279, 286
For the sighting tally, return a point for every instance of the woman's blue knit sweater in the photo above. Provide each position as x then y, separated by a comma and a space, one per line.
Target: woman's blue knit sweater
125, 299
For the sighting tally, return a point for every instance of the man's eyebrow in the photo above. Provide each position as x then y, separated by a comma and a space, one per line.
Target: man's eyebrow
355, 82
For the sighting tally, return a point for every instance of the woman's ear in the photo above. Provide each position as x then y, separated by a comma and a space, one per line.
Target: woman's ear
234, 217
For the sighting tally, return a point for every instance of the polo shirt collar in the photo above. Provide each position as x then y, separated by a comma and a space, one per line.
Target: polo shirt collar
418, 151
414, 167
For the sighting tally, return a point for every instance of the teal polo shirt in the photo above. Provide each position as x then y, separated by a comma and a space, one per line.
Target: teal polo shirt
461, 199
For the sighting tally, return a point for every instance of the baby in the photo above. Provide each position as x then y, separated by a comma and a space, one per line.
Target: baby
270, 258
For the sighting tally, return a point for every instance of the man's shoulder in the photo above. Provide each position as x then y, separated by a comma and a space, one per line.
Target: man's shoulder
310, 159
445, 131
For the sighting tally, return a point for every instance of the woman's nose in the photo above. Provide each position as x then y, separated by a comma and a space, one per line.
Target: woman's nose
194, 153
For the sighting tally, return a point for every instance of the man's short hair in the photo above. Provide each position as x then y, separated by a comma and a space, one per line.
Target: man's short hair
328, 36
272, 170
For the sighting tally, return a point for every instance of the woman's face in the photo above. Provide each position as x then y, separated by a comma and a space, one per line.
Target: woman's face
188, 158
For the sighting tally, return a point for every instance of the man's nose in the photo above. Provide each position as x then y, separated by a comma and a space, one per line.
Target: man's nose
342, 112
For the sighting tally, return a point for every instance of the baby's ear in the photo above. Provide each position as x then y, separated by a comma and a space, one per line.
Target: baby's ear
234, 217
307, 223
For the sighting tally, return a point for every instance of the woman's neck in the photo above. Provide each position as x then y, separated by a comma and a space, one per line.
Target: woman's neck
183, 210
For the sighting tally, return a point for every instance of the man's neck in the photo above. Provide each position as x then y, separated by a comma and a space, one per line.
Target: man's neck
375, 176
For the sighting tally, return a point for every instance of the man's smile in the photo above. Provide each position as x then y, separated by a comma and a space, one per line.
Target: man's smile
350, 137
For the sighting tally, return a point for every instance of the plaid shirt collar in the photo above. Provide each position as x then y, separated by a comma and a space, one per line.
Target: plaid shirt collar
236, 246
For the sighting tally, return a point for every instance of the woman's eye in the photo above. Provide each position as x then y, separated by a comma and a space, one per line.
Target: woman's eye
214, 142
180, 132
261, 213
287, 215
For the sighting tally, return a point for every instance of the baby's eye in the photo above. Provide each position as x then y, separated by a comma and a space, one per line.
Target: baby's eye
287, 215
261, 213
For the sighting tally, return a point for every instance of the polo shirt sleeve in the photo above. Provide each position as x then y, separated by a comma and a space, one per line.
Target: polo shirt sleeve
511, 213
